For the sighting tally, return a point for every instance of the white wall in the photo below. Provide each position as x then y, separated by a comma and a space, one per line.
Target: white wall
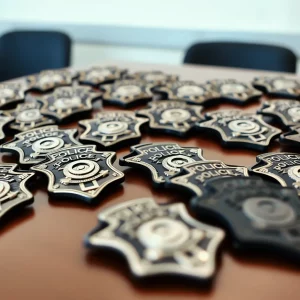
236, 15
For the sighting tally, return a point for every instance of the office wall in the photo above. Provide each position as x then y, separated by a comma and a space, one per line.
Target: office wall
155, 31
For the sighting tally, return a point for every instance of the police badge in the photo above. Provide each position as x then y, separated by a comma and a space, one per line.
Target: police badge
12, 92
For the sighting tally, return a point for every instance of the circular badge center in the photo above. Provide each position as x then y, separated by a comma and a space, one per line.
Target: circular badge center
294, 173
47, 144
101, 73
6, 93
269, 211
294, 112
232, 88
190, 90
81, 169
163, 233
176, 115
280, 84
174, 163
128, 90
113, 127
4, 189
244, 126
29, 115
65, 103
155, 77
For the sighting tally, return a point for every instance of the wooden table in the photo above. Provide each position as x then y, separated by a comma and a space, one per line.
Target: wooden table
43, 257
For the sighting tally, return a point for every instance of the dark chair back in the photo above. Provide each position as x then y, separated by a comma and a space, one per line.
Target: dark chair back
242, 55
28, 52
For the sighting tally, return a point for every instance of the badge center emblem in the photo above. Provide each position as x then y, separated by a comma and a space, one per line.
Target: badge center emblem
175, 115
269, 211
230, 88
113, 127
284, 84
190, 90
128, 90
244, 126
29, 115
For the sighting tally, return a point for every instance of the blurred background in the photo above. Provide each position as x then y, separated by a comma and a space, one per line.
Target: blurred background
157, 31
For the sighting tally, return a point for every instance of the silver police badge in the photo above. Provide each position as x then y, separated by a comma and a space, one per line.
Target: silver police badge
161, 159
188, 91
278, 86
12, 92
13, 191
158, 239
97, 75
127, 92
112, 128
172, 116
194, 176
284, 167
65, 102
292, 137
28, 116
79, 172
50, 79
4, 121
238, 128
156, 77
235, 91
287, 111
34, 145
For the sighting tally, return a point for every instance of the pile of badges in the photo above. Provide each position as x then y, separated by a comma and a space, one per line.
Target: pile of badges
255, 208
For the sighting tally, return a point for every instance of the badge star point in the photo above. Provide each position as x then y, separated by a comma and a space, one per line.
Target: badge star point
172, 116
292, 137
28, 116
161, 159
194, 176
33, 145
284, 167
50, 79
12, 92
158, 239
238, 128
127, 92
188, 91
255, 212
83, 171
13, 190
235, 91
65, 102
278, 86
286, 111
112, 128
97, 75
155, 77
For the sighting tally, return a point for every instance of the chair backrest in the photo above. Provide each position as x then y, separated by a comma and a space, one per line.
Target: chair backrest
28, 52
242, 55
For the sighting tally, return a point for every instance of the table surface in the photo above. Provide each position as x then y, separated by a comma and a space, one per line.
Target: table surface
43, 257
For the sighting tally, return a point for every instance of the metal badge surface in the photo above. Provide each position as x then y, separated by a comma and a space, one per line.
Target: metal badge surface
161, 159
50, 79
283, 166
34, 145
112, 128
80, 172
155, 77
28, 116
97, 75
127, 92
188, 91
256, 213
172, 116
235, 91
194, 176
64, 102
292, 137
287, 111
278, 86
158, 239
13, 191
237, 128
4, 121
12, 92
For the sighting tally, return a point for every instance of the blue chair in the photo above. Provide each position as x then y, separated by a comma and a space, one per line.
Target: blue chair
28, 52
242, 55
